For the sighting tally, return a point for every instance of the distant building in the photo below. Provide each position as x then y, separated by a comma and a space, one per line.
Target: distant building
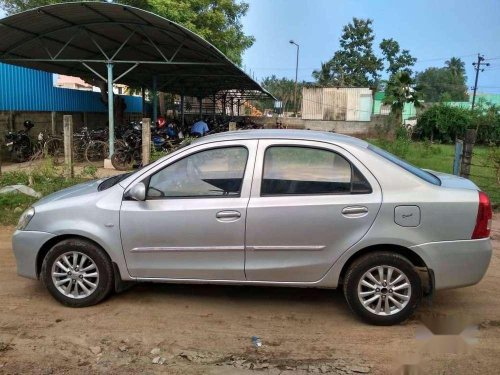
486, 100
75, 83
381, 109
337, 104
409, 111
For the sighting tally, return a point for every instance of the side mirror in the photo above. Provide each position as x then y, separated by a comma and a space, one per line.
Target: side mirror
138, 192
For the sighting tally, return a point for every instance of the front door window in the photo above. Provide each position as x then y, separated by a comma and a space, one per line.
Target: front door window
213, 173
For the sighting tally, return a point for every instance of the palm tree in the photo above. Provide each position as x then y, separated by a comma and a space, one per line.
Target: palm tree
399, 91
456, 66
323, 76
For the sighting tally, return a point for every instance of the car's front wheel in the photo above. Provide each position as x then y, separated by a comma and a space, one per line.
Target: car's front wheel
77, 273
382, 288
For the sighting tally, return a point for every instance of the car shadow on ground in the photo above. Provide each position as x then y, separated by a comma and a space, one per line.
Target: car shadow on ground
237, 294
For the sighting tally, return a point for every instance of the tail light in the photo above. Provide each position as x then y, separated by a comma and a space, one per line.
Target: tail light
484, 217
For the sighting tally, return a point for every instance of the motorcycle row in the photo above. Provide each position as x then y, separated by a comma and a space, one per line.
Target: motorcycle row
92, 145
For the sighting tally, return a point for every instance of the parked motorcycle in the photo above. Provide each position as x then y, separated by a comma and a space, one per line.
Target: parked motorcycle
128, 154
19, 144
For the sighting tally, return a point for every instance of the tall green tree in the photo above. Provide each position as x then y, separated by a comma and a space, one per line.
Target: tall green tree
401, 89
355, 63
444, 84
397, 59
456, 67
283, 90
218, 21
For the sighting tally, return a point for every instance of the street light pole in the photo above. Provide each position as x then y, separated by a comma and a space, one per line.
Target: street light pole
296, 76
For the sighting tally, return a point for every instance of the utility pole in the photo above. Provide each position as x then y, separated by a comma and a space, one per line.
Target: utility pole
471, 134
477, 67
296, 76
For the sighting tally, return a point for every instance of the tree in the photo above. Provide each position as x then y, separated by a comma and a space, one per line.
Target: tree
397, 60
444, 84
283, 89
400, 90
218, 21
355, 64
456, 67
323, 76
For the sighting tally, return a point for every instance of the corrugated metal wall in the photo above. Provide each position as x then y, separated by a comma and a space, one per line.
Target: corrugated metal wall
23, 89
312, 103
339, 104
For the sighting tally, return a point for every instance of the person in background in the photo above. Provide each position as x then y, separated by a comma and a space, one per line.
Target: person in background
172, 130
199, 128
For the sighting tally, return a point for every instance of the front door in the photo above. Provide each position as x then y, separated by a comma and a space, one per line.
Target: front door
310, 202
192, 223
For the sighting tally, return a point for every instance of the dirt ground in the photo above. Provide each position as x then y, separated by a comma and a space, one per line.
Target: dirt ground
208, 330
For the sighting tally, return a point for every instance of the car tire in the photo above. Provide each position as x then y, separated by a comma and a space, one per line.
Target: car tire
89, 282
397, 301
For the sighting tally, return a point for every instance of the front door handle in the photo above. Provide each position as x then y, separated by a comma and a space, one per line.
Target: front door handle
228, 215
355, 211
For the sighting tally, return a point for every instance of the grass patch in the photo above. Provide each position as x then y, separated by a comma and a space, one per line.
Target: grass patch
439, 157
45, 179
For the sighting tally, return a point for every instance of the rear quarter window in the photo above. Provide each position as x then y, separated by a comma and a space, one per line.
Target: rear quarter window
424, 175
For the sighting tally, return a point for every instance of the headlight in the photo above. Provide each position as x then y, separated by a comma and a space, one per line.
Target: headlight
25, 218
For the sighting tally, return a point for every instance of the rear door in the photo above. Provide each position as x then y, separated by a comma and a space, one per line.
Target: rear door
310, 202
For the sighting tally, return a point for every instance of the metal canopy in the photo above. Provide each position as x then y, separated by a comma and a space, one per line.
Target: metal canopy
83, 39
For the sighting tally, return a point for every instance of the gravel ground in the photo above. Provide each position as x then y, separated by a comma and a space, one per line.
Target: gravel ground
196, 329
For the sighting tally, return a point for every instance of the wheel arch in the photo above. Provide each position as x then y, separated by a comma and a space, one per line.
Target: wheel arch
409, 254
55, 240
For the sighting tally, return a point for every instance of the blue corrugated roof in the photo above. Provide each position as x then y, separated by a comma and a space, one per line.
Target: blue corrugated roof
23, 89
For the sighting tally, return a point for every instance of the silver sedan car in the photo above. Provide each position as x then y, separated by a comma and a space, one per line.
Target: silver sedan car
264, 207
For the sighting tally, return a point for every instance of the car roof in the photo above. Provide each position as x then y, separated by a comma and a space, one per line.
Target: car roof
295, 134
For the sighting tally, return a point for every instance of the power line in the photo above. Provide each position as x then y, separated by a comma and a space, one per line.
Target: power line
441, 58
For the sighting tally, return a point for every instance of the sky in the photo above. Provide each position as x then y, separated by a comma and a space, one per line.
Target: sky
433, 31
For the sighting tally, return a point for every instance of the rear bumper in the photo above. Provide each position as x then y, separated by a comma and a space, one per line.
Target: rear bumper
26, 245
456, 263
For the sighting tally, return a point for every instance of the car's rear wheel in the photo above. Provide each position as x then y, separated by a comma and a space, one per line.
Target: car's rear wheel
77, 273
382, 288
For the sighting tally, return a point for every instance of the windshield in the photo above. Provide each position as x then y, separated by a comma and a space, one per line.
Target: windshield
429, 177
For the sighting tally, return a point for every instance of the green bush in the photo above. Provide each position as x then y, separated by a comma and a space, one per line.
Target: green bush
443, 123
400, 146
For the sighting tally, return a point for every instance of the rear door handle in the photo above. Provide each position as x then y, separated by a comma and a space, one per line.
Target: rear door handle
355, 211
228, 215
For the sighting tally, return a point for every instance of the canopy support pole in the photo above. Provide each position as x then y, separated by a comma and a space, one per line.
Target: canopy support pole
215, 106
143, 101
182, 111
200, 99
111, 111
155, 99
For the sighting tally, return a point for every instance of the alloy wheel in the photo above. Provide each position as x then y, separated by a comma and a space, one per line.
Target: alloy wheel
384, 290
75, 275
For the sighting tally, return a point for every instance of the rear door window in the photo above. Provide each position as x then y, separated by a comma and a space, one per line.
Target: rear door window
295, 170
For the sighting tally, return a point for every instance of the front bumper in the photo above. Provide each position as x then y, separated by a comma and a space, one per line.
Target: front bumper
456, 263
26, 245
